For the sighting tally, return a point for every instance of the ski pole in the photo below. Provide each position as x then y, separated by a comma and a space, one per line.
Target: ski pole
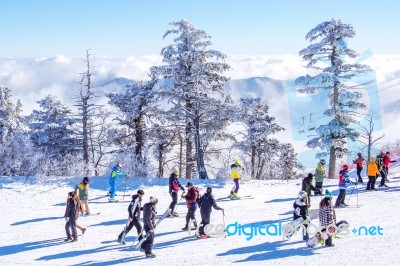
348, 200
126, 179
179, 201
223, 221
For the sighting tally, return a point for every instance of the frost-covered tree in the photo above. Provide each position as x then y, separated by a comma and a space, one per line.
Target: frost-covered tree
330, 55
87, 112
52, 129
15, 148
137, 106
259, 127
194, 84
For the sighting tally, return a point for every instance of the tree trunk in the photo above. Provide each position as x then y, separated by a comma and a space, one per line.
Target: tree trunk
199, 151
332, 163
253, 158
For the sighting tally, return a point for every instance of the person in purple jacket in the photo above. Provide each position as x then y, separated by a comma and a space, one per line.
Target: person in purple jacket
174, 187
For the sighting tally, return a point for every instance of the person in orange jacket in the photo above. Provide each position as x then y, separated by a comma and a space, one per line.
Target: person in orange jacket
372, 173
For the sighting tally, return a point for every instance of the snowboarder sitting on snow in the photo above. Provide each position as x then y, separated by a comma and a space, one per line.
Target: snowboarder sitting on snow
235, 173
149, 216
344, 182
71, 215
83, 188
327, 215
174, 187
307, 186
191, 203
115, 172
360, 165
372, 172
134, 215
319, 177
206, 203
300, 210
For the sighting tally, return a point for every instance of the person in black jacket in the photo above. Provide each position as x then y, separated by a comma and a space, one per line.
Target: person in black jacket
149, 216
174, 187
134, 209
307, 186
71, 215
300, 210
206, 203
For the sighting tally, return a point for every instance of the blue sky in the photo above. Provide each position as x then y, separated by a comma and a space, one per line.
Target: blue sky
118, 28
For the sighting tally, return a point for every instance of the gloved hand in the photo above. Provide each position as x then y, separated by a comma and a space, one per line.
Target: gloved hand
66, 219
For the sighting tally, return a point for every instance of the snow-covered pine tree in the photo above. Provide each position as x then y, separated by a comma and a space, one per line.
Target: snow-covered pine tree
328, 55
258, 132
15, 147
194, 84
52, 129
137, 105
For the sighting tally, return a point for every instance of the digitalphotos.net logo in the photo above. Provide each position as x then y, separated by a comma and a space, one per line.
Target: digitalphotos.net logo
286, 231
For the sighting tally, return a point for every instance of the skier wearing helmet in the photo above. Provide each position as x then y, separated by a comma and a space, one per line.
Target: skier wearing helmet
83, 188
360, 165
235, 173
149, 216
344, 181
115, 172
300, 210
319, 177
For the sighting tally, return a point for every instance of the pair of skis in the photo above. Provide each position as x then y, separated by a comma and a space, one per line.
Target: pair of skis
139, 244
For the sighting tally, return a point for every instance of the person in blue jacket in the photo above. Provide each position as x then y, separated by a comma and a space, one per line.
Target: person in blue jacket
344, 182
115, 172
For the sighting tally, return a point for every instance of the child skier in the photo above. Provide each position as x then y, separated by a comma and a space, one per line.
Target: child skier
174, 187
206, 203
319, 177
300, 210
83, 188
191, 203
327, 215
344, 182
149, 216
115, 172
235, 173
134, 215
372, 172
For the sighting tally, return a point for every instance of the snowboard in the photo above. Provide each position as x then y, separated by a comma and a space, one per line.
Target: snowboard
291, 228
320, 237
239, 198
314, 214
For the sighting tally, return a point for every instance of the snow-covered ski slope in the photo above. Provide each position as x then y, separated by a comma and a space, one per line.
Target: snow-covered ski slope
32, 226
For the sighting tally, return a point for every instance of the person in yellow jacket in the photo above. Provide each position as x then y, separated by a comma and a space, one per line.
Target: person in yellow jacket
83, 188
235, 173
372, 172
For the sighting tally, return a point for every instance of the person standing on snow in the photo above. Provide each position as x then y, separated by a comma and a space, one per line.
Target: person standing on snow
327, 216
379, 164
385, 169
307, 186
235, 173
300, 210
149, 216
83, 188
191, 203
372, 172
206, 203
134, 209
115, 172
71, 215
344, 182
319, 177
174, 187
360, 165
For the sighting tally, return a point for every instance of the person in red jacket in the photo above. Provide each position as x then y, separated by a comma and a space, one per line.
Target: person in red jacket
191, 203
385, 169
360, 165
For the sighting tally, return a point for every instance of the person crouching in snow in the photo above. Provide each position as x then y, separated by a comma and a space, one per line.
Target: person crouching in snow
206, 203
307, 186
191, 203
372, 172
327, 216
300, 210
344, 182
